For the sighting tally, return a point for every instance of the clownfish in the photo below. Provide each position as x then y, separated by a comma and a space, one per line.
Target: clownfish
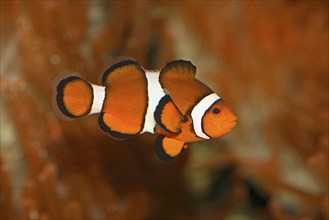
171, 103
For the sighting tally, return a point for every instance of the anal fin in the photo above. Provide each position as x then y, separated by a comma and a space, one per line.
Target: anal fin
116, 128
167, 149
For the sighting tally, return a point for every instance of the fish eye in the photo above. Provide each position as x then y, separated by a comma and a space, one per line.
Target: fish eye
215, 111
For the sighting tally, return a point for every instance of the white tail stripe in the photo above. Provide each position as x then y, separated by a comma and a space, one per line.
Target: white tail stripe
198, 112
99, 96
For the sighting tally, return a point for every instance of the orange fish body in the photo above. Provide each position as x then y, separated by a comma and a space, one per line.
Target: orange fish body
170, 102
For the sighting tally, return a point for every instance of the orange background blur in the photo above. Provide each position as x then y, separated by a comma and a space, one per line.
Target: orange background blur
268, 59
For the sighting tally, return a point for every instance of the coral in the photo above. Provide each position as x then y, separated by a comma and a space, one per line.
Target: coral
268, 59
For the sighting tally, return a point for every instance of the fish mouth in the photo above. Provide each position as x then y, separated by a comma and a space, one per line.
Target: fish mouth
231, 124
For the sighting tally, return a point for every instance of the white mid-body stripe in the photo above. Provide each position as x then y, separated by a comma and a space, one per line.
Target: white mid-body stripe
155, 93
99, 95
198, 112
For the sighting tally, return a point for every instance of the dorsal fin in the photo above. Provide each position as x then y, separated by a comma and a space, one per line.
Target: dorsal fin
178, 78
122, 71
179, 69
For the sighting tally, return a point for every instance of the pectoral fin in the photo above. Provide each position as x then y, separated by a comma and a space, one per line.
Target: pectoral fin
168, 116
167, 149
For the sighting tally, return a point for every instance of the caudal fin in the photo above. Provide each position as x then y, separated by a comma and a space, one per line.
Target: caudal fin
75, 97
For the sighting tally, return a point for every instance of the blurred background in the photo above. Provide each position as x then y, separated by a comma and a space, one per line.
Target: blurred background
268, 59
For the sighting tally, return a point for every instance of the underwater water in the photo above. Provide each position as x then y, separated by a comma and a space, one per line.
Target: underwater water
268, 59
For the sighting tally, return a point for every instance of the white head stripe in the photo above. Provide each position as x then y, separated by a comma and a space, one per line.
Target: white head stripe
198, 112
99, 95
